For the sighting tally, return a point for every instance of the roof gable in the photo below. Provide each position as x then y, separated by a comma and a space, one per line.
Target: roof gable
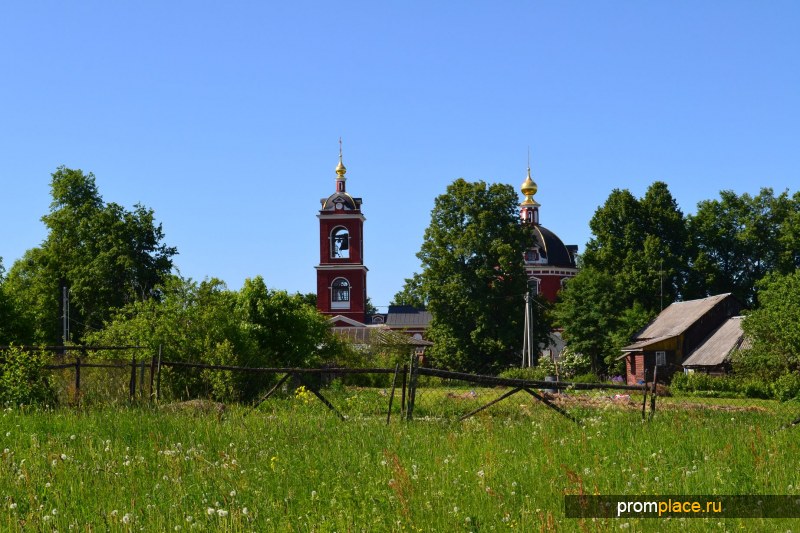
675, 320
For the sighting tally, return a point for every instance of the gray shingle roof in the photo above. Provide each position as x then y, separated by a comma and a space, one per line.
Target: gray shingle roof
674, 320
717, 347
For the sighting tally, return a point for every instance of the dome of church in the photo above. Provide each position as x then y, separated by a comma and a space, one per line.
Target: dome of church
552, 248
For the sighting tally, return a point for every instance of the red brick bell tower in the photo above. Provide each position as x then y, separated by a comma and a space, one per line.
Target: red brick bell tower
341, 274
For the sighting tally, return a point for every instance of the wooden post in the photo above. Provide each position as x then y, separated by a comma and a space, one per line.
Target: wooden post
653, 393
391, 396
403, 395
158, 376
412, 387
644, 401
133, 379
77, 380
152, 375
141, 379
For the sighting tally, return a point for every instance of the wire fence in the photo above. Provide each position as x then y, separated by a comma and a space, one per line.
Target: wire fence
87, 376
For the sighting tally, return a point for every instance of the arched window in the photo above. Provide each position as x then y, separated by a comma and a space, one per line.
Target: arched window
340, 294
340, 243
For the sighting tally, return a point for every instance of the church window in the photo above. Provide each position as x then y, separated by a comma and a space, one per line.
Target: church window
340, 294
340, 243
531, 256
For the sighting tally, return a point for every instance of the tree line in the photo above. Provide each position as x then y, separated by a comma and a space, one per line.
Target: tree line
123, 290
643, 255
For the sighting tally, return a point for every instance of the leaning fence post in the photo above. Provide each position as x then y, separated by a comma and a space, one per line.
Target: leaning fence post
133, 378
77, 379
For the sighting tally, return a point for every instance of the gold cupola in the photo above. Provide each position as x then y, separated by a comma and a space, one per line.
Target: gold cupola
341, 170
529, 188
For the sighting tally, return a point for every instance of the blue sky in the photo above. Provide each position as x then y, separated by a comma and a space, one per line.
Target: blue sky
225, 117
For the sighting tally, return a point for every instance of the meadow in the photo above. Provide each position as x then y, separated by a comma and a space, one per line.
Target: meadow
292, 465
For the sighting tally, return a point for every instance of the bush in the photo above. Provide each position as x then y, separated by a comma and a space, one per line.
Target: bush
588, 377
787, 387
23, 378
534, 373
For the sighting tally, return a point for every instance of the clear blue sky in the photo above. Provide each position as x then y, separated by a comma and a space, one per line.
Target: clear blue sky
224, 117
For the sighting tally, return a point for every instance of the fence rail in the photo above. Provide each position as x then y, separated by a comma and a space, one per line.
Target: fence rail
421, 392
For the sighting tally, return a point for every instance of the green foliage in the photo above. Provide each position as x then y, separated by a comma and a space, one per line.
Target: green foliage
731, 386
534, 373
472, 278
412, 293
787, 387
207, 323
106, 255
774, 328
737, 240
23, 378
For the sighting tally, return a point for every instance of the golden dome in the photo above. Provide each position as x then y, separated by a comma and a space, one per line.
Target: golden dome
529, 188
340, 168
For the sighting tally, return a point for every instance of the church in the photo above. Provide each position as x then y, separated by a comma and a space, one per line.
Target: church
342, 275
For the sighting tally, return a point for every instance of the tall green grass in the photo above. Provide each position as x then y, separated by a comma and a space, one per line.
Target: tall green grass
291, 465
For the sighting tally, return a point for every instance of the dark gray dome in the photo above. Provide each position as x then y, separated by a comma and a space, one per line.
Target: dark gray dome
552, 248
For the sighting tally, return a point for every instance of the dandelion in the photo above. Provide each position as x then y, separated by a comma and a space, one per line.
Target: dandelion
233, 494
210, 511
114, 512
126, 518
46, 518
54, 512
47, 485
72, 437
63, 457
480, 473
245, 511
12, 505
222, 512
189, 518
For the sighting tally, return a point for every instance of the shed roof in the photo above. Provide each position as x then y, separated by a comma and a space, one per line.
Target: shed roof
673, 321
419, 319
717, 347
375, 335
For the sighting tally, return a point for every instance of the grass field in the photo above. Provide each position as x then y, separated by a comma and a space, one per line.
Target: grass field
291, 465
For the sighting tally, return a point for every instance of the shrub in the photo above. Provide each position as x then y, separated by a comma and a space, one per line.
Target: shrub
588, 377
786, 387
534, 373
23, 378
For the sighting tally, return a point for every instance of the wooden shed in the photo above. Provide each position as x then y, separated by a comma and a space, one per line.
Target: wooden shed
675, 333
713, 355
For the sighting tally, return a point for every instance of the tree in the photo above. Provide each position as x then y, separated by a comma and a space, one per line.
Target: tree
737, 240
774, 328
411, 294
634, 265
104, 254
473, 280
208, 323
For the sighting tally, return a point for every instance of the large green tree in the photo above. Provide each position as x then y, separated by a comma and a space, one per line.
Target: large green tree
774, 328
635, 263
473, 280
105, 255
738, 239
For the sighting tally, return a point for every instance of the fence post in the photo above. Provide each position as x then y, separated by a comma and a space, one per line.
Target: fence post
141, 379
644, 390
653, 393
152, 375
391, 396
77, 379
133, 378
412, 386
403, 396
158, 377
